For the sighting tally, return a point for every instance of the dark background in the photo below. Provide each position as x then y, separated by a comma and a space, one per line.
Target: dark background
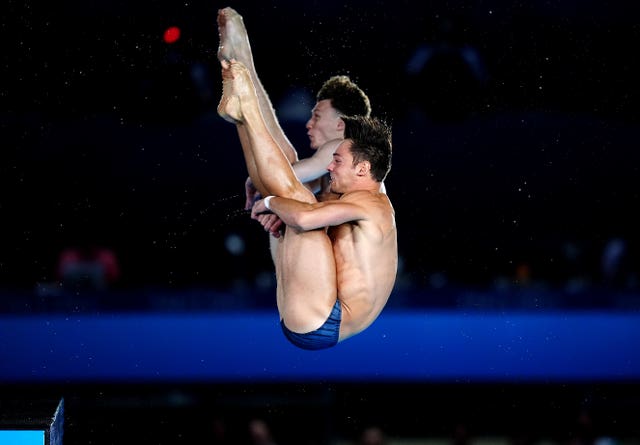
527, 167
515, 177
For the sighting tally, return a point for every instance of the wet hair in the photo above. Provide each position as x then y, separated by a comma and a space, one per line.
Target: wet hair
345, 96
370, 141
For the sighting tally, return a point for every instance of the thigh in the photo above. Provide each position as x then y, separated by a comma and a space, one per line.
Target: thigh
307, 284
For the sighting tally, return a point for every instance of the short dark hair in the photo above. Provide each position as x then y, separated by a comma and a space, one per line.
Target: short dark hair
345, 96
370, 141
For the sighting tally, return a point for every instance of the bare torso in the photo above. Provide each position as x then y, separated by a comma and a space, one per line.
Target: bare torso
356, 264
366, 257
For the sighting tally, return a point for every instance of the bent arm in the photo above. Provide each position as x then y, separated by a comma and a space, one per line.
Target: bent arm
315, 166
304, 216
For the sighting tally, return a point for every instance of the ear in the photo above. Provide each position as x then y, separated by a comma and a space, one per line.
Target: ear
363, 168
340, 125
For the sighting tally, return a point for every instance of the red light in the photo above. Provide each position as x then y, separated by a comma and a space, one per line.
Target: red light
171, 34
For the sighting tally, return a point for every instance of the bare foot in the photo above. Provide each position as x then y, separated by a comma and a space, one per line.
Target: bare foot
237, 89
234, 40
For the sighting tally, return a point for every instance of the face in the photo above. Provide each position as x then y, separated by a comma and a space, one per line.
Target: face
341, 169
324, 124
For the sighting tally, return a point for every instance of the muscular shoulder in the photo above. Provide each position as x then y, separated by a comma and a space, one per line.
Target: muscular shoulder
365, 197
373, 206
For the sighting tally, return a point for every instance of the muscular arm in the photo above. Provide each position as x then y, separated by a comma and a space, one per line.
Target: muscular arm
315, 166
303, 216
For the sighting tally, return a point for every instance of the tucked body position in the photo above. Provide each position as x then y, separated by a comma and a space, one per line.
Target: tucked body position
336, 260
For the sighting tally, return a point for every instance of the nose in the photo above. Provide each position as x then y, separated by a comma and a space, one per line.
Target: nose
308, 124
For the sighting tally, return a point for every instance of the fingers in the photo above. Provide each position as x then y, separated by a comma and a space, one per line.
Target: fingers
275, 227
269, 221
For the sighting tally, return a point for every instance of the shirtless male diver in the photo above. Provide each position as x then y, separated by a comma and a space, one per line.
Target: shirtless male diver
337, 260
338, 96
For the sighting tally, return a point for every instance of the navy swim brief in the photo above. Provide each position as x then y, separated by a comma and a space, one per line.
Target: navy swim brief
324, 337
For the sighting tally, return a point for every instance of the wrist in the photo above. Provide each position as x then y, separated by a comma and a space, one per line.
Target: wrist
266, 201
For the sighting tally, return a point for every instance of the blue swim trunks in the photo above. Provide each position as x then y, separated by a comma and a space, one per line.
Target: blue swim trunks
324, 337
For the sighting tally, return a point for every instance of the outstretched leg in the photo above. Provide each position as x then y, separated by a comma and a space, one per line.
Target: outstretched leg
239, 104
234, 44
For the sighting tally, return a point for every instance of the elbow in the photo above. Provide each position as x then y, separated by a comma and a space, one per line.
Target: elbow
297, 224
300, 222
